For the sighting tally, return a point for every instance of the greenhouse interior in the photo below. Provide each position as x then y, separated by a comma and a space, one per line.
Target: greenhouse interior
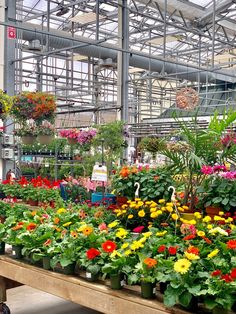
118, 156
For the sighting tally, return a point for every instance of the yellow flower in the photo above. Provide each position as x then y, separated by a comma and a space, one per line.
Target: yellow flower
169, 209
124, 206
148, 202
213, 253
221, 213
201, 233
206, 219
169, 204
218, 218
124, 245
130, 216
136, 245
182, 266
198, 215
141, 213
147, 234
228, 220
191, 256
175, 216
128, 252
181, 209
159, 212
153, 204
61, 210
192, 222
115, 253
137, 199
113, 224
143, 239
185, 207
209, 226
161, 233
67, 224
161, 201
154, 215
153, 209
140, 203
121, 233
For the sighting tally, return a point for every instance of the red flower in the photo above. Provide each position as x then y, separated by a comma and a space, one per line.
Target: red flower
208, 241
226, 278
161, 249
92, 253
233, 273
172, 250
193, 250
231, 244
109, 246
189, 237
31, 226
138, 229
216, 273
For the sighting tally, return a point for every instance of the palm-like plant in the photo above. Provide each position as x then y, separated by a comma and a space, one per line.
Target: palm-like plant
198, 147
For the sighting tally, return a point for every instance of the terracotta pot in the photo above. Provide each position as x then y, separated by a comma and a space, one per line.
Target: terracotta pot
28, 140
72, 141
212, 211
45, 139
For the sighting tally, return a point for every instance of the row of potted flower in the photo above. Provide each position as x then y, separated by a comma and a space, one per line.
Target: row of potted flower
195, 259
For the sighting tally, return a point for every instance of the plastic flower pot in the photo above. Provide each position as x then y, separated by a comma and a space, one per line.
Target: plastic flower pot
16, 252
116, 281
45, 139
147, 290
2, 248
91, 276
219, 310
67, 270
28, 140
72, 141
46, 262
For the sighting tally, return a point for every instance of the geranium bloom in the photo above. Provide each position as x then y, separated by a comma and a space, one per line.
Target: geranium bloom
216, 273
231, 244
92, 253
109, 246
150, 262
182, 266
233, 273
213, 253
31, 226
172, 250
206, 169
161, 248
226, 278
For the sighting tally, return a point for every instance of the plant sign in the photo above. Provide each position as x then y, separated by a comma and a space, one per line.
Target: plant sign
99, 173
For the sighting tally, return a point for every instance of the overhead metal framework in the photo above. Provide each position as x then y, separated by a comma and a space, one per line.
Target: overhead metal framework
124, 58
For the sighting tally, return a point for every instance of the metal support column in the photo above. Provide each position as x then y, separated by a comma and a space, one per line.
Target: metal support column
9, 75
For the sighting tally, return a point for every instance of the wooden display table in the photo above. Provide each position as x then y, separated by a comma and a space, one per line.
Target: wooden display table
95, 296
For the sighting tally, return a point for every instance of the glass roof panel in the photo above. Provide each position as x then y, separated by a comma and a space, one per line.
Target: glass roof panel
202, 3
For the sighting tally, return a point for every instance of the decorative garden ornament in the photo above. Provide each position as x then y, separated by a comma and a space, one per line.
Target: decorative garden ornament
136, 194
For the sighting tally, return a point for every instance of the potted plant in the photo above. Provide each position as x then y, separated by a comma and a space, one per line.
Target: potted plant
6, 103
45, 133
27, 133
2, 235
71, 135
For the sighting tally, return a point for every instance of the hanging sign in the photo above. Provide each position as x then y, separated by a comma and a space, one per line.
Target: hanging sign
11, 32
99, 173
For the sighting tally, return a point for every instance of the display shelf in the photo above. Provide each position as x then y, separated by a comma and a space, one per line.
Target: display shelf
96, 296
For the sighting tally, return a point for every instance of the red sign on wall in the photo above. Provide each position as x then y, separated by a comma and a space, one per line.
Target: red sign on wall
11, 32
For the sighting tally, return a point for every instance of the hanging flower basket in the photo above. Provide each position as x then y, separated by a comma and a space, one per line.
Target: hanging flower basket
6, 103
72, 141
45, 139
187, 98
28, 139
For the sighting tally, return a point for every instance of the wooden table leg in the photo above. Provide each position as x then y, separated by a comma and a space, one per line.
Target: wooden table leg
3, 295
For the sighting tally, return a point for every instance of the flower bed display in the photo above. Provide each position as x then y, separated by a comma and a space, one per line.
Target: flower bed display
196, 259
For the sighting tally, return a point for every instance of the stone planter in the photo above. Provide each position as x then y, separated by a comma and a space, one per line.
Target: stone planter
45, 139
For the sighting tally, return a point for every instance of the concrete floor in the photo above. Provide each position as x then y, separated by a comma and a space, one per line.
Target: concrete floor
26, 300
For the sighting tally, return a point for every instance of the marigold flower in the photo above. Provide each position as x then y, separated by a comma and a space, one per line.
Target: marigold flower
169, 209
33, 213
198, 215
113, 224
92, 253
213, 253
141, 213
175, 216
136, 245
201, 233
87, 230
154, 215
161, 201
31, 226
206, 219
109, 246
150, 262
124, 173
182, 266
61, 210
127, 252
130, 216
231, 244
216, 273
125, 245
56, 220
121, 233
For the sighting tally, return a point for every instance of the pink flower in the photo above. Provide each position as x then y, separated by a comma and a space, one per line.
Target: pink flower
138, 229
207, 169
102, 226
188, 229
219, 168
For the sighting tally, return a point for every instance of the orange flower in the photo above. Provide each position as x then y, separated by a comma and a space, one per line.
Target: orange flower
82, 214
124, 172
193, 250
56, 220
134, 170
150, 262
87, 231
31, 226
48, 242
231, 244
33, 213
74, 234
17, 227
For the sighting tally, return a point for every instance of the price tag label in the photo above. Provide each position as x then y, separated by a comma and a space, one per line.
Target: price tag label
154, 290
122, 283
13, 253
99, 173
88, 275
